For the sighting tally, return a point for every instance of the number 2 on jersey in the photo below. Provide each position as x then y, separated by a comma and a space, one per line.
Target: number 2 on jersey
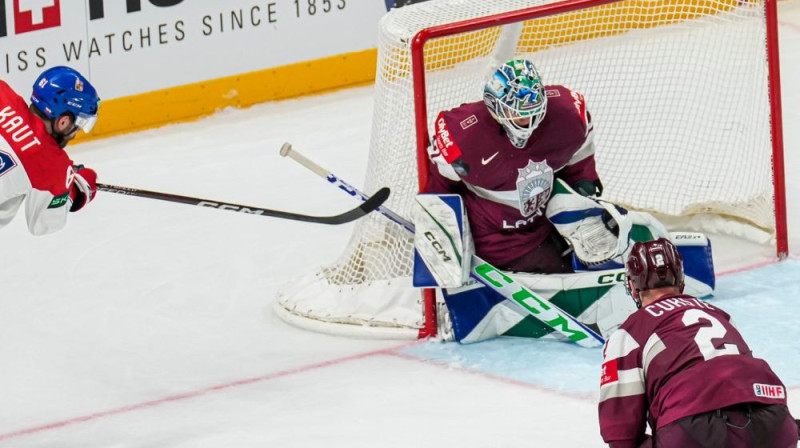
706, 334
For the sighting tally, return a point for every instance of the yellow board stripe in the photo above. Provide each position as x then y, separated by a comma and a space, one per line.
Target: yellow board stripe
191, 101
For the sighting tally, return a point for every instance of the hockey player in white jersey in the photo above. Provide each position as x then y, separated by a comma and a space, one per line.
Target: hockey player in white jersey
34, 168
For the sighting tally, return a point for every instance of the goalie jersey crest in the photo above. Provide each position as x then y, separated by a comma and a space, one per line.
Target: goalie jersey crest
534, 184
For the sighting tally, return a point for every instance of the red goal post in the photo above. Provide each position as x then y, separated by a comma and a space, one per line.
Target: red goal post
684, 94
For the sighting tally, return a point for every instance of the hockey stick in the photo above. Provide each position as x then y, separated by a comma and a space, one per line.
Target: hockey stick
550, 314
287, 151
366, 207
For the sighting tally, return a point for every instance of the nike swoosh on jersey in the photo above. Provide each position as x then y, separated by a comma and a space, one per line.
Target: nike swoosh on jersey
486, 161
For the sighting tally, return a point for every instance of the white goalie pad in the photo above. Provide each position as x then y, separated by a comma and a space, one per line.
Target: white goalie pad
442, 240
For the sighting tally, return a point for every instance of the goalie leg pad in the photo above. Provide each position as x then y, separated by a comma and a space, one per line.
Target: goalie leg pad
698, 264
595, 297
613, 308
442, 241
478, 313
616, 305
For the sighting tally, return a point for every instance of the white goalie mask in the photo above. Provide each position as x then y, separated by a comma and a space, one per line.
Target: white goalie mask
516, 98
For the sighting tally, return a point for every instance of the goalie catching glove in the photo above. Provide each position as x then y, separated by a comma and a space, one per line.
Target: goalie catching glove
597, 230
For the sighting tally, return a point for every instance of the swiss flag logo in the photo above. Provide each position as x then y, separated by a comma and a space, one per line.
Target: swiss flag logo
32, 15
610, 372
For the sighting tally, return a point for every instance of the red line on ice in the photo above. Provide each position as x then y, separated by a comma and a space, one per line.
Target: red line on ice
392, 351
746, 268
196, 393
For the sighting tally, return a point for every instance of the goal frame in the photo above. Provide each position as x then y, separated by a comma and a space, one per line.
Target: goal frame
731, 162
421, 118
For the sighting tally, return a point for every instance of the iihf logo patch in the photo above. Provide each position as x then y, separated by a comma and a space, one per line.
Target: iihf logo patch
769, 391
7, 163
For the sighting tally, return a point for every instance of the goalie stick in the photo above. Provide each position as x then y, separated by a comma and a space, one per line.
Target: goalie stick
366, 207
547, 312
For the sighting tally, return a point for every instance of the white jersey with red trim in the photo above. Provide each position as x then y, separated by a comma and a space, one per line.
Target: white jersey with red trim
33, 169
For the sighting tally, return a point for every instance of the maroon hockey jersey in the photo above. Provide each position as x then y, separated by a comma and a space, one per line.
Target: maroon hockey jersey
506, 189
677, 357
33, 168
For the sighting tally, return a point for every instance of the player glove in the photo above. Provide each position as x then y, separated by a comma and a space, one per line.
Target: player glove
84, 187
588, 188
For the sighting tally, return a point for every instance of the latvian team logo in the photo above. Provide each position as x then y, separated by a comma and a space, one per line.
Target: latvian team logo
6, 163
534, 184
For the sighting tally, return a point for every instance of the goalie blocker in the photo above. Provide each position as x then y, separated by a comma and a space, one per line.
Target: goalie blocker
442, 241
595, 294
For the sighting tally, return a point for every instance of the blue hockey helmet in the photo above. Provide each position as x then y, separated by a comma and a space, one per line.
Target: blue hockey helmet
60, 90
516, 98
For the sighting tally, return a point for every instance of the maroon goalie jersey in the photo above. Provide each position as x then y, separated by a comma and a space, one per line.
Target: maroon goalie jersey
677, 357
505, 189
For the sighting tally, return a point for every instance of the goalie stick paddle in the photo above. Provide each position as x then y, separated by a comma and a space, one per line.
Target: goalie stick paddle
366, 207
491, 277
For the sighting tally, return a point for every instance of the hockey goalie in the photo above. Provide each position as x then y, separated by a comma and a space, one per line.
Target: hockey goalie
513, 180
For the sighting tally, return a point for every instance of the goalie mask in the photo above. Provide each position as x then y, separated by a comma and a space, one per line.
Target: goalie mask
516, 98
653, 264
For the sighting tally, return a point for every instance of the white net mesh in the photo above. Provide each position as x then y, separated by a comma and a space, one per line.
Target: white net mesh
678, 91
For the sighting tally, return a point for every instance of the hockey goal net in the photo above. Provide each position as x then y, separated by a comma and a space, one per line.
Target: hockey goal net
684, 95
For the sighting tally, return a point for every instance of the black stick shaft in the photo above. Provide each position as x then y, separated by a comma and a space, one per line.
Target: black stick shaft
379, 198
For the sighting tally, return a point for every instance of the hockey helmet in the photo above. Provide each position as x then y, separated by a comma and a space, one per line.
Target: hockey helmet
514, 93
61, 90
653, 264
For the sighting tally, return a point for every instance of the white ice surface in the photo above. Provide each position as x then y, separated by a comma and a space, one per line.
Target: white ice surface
149, 324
